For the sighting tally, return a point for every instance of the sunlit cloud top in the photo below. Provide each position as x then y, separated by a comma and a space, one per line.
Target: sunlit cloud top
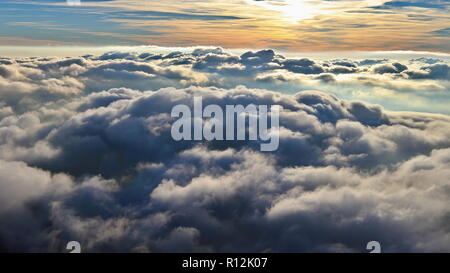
292, 25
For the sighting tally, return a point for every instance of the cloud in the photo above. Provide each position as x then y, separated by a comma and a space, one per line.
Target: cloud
414, 4
60, 78
312, 25
390, 68
434, 71
90, 158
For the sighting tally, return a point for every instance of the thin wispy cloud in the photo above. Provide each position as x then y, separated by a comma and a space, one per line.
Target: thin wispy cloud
289, 25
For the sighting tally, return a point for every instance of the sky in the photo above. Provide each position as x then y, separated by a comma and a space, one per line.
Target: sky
289, 25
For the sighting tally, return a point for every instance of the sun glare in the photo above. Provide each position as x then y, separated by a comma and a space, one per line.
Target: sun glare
291, 11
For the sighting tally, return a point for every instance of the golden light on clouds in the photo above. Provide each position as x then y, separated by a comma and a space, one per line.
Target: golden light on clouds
294, 25
294, 11
290, 10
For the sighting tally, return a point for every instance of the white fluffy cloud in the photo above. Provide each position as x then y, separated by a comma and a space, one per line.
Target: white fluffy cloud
86, 155
423, 82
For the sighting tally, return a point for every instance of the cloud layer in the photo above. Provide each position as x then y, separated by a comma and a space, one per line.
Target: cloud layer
294, 25
423, 82
86, 154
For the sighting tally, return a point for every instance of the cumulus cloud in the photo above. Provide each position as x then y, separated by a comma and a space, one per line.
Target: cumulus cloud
391, 81
86, 154
390, 68
434, 71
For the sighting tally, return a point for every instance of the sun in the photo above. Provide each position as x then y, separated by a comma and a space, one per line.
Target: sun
291, 11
